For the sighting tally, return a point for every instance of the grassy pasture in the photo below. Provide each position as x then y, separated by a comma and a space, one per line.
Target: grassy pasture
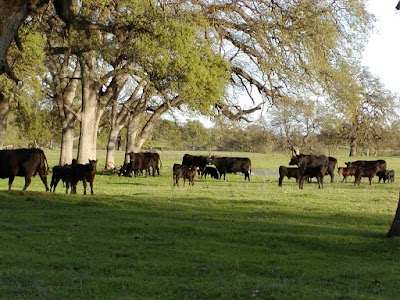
142, 238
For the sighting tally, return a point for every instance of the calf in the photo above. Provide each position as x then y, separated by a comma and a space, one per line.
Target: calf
212, 171
318, 172
288, 172
185, 172
63, 173
366, 172
84, 173
346, 172
385, 175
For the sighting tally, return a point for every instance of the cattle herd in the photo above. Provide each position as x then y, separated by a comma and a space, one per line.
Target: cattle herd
318, 166
29, 162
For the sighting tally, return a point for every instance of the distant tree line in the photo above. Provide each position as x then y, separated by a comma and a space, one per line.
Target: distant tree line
37, 125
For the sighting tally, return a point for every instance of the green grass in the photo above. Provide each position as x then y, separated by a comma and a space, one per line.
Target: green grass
142, 238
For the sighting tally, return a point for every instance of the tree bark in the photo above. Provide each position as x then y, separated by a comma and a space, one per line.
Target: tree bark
65, 94
88, 117
353, 146
395, 228
4, 110
12, 15
134, 141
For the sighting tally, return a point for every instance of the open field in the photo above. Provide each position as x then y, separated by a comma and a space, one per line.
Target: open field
142, 238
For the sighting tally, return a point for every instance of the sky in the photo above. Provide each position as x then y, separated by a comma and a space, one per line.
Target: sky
382, 52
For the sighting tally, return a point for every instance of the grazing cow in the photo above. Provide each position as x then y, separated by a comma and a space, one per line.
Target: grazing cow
288, 172
63, 173
232, 165
84, 173
368, 164
386, 175
309, 165
148, 161
25, 163
198, 161
346, 172
185, 172
318, 172
126, 170
366, 172
212, 171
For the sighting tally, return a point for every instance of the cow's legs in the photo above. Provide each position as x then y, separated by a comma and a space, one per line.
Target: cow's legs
91, 187
84, 186
247, 175
27, 182
53, 183
10, 181
43, 177
280, 180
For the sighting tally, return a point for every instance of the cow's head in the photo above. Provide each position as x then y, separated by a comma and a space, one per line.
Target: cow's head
294, 161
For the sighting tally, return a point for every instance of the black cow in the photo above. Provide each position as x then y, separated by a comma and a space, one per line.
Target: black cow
309, 166
185, 172
366, 172
331, 163
25, 163
84, 173
386, 175
198, 161
147, 161
63, 173
368, 164
232, 165
309, 172
288, 172
212, 171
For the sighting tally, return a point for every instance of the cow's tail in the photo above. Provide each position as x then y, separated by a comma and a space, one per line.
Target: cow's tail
45, 163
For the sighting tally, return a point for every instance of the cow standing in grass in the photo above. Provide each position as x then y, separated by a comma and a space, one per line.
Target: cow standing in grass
63, 173
311, 166
84, 173
185, 172
366, 172
212, 171
289, 173
25, 163
346, 172
232, 165
197, 161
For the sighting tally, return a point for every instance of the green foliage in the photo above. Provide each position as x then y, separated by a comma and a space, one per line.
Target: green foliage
143, 238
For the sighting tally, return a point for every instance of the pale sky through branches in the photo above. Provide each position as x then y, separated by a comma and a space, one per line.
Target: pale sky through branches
382, 52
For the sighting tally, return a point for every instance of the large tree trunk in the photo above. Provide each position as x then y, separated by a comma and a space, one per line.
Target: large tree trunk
353, 146
4, 110
65, 94
67, 143
111, 147
134, 141
13, 13
395, 228
88, 118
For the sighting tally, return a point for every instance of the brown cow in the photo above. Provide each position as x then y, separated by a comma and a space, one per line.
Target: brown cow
366, 172
185, 172
346, 172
